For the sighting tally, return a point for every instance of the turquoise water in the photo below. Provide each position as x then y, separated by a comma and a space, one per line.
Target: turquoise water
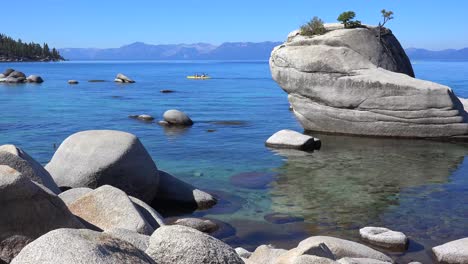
418, 187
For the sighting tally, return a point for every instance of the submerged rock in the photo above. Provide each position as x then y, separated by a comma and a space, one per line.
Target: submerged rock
108, 207
80, 246
73, 82
177, 118
184, 245
167, 91
384, 237
19, 160
279, 218
452, 252
291, 139
350, 81
98, 157
253, 180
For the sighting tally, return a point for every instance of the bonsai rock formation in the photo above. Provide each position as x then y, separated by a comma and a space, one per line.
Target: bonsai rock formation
352, 81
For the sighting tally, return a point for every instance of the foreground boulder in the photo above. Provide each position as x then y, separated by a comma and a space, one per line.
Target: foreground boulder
177, 118
28, 210
341, 248
123, 79
153, 218
98, 157
184, 245
452, 252
140, 241
384, 237
352, 81
12, 246
19, 160
177, 192
107, 208
364, 261
266, 254
294, 140
80, 246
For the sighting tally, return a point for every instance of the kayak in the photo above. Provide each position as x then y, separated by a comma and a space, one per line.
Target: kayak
198, 77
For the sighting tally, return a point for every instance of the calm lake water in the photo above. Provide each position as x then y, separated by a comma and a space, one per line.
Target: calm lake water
415, 186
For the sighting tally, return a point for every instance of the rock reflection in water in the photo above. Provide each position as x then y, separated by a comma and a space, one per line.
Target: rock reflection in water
352, 180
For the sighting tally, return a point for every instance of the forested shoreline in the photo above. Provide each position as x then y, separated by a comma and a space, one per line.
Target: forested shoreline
17, 50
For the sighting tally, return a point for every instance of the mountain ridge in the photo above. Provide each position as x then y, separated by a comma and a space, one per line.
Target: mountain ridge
196, 51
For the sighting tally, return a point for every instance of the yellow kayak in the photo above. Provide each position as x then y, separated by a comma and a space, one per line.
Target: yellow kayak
198, 77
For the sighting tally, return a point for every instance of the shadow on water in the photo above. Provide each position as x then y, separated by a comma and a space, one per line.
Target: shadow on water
354, 182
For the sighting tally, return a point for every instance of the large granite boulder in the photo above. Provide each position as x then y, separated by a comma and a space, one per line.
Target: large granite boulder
185, 245
80, 246
28, 210
352, 81
454, 252
19, 160
108, 207
98, 157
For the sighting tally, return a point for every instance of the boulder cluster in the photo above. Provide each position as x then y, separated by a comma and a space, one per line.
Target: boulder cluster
95, 201
14, 76
92, 203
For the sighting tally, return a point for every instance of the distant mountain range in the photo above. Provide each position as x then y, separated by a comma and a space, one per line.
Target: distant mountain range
198, 51
225, 51
448, 54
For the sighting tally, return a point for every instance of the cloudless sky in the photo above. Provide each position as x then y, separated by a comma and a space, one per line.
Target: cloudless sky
102, 24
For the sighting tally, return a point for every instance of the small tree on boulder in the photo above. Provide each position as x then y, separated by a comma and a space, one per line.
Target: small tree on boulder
346, 18
387, 16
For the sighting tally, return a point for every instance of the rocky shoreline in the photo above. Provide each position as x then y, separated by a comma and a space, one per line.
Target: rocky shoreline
96, 202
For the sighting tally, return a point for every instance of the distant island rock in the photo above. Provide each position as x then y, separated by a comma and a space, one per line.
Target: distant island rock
350, 81
197, 51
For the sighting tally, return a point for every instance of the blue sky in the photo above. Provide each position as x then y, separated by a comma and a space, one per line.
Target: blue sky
95, 23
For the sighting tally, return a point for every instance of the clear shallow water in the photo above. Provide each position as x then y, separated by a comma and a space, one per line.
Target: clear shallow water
418, 187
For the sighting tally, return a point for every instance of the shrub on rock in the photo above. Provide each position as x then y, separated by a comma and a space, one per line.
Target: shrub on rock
98, 157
